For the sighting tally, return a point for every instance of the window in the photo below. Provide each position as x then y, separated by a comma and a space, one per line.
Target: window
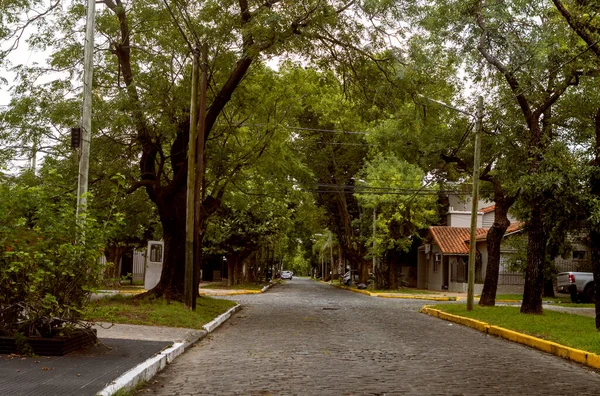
578, 254
156, 253
437, 261
458, 269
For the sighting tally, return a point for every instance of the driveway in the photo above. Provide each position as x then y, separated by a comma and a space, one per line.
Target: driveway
306, 338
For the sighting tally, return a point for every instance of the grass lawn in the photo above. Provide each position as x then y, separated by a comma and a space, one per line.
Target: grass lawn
242, 286
155, 312
575, 331
564, 301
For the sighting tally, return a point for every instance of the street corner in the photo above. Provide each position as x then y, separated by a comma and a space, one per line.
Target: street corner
579, 356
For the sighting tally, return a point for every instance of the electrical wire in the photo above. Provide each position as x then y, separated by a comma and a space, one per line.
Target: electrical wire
532, 85
303, 129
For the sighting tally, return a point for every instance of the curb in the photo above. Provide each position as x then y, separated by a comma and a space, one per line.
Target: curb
420, 298
576, 355
230, 293
219, 320
385, 295
237, 292
149, 368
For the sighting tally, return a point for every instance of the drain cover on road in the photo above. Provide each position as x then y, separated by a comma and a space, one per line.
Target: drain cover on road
330, 309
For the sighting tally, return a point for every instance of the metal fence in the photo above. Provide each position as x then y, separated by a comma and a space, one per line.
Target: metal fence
511, 278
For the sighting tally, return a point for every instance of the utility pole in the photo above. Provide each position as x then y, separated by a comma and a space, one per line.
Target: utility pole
374, 235
86, 122
474, 207
188, 287
199, 179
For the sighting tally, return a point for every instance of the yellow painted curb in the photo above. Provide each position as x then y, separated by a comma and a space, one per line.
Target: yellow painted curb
230, 293
509, 301
365, 292
418, 297
385, 295
575, 355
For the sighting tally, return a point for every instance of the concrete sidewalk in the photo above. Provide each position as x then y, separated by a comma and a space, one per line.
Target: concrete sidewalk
125, 355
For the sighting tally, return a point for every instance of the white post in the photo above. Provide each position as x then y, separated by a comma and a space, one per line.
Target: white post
86, 122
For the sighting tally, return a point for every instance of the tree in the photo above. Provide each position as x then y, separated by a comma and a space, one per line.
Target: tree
582, 19
405, 204
497, 33
141, 80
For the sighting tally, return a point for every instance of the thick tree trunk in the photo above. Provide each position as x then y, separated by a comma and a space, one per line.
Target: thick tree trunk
173, 272
536, 255
494, 241
595, 228
595, 242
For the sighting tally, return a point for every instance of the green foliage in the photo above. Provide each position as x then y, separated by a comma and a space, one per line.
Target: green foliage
299, 264
22, 344
402, 199
48, 263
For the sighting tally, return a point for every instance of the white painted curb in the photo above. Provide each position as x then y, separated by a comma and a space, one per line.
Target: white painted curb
265, 288
149, 368
144, 371
211, 326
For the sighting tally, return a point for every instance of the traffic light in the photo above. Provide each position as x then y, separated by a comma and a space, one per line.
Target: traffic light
75, 137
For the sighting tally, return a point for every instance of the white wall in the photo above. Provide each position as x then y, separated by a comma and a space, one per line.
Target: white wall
488, 220
456, 287
482, 248
463, 219
434, 279
463, 203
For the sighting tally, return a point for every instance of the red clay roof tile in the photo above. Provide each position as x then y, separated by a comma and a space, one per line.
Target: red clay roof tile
487, 209
453, 240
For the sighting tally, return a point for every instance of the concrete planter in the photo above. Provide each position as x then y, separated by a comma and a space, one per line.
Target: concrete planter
54, 346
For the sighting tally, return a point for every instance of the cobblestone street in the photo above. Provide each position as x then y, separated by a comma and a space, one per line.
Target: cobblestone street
306, 338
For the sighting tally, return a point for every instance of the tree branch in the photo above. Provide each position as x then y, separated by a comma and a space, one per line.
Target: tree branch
578, 27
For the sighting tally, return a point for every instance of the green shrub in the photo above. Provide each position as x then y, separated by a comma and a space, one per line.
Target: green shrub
49, 263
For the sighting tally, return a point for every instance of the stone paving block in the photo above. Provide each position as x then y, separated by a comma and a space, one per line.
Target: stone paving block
305, 338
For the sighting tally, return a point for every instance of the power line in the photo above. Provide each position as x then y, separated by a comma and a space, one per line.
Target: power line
559, 67
411, 192
302, 129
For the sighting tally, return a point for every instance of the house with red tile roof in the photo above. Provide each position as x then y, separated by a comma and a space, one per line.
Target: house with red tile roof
443, 258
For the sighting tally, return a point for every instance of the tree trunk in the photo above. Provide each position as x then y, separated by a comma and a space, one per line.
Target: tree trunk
231, 264
494, 241
595, 228
536, 255
392, 278
113, 255
595, 242
548, 287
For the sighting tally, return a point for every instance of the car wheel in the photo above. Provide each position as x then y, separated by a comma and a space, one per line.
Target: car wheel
589, 294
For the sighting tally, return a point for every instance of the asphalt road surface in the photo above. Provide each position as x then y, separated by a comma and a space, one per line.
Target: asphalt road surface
306, 338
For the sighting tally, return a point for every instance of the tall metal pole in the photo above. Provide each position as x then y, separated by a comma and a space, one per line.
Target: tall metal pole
188, 287
474, 208
86, 122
